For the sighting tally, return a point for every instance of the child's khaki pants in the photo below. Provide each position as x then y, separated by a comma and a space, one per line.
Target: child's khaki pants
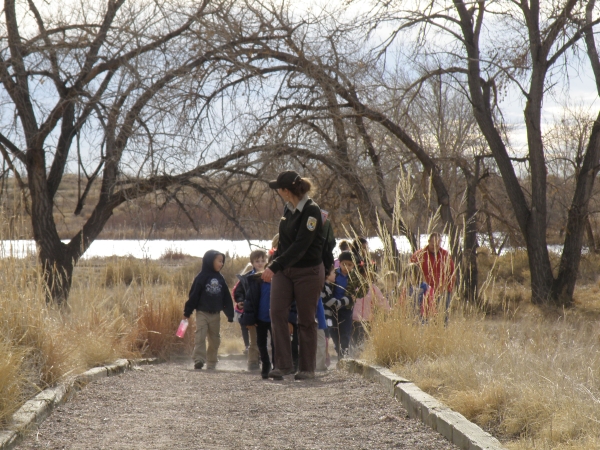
252, 349
208, 327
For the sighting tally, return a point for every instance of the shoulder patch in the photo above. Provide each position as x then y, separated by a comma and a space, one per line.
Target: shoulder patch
311, 223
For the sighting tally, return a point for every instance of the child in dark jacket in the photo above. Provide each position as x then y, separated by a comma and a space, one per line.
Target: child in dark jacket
342, 302
330, 307
256, 298
258, 260
209, 296
330, 304
321, 336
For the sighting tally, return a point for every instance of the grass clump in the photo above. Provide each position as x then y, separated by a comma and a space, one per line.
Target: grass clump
11, 379
174, 255
527, 374
117, 309
132, 270
531, 382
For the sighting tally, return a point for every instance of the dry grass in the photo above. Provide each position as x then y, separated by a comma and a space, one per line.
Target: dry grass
531, 382
527, 374
117, 308
11, 379
174, 255
231, 338
130, 269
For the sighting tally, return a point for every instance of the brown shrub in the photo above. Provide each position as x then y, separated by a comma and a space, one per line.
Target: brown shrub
132, 270
174, 255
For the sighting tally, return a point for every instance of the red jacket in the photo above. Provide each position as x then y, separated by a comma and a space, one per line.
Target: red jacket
437, 268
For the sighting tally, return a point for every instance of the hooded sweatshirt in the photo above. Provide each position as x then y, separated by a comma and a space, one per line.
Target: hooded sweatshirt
209, 292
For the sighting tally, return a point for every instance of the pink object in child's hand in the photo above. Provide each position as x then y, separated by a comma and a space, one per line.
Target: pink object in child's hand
182, 327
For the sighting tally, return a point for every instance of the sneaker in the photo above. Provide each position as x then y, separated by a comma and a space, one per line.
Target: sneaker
245, 352
211, 366
304, 376
198, 365
277, 374
254, 366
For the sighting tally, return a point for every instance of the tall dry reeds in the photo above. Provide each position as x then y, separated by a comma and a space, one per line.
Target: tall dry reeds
528, 376
12, 380
530, 381
135, 313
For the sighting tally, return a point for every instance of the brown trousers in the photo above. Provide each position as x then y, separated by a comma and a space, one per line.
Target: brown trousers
304, 286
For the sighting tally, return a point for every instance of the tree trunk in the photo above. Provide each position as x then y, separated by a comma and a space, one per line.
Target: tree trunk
532, 220
564, 285
58, 273
470, 272
542, 278
590, 236
490, 232
385, 204
56, 264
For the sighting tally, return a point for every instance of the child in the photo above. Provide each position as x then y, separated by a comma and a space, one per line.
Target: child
415, 292
362, 256
362, 313
237, 312
341, 329
390, 287
321, 365
344, 246
258, 259
256, 297
330, 307
330, 304
209, 296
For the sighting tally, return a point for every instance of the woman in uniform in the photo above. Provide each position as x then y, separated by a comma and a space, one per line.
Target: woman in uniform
296, 273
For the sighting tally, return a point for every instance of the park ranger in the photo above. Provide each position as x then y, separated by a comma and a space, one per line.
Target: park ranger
297, 274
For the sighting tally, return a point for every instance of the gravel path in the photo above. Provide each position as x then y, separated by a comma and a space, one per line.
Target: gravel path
172, 406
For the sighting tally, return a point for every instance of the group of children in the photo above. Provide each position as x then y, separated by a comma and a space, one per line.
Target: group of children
345, 308
252, 305
350, 296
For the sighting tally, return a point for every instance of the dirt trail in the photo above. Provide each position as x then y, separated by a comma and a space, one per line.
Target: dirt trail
172, 406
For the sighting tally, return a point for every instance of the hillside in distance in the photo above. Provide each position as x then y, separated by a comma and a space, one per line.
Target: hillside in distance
151, 217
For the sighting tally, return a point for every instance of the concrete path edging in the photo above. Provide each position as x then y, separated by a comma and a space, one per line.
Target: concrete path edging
36, 410
420, 405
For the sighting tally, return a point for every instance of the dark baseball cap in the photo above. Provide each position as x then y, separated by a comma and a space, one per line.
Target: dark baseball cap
285, 180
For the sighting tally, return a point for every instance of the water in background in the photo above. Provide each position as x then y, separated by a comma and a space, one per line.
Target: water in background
154, 249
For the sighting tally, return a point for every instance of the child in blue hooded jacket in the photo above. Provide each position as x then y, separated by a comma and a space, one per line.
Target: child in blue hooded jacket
209, 296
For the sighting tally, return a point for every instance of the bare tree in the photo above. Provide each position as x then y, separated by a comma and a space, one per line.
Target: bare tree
133, 82
321, 87
473, 41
